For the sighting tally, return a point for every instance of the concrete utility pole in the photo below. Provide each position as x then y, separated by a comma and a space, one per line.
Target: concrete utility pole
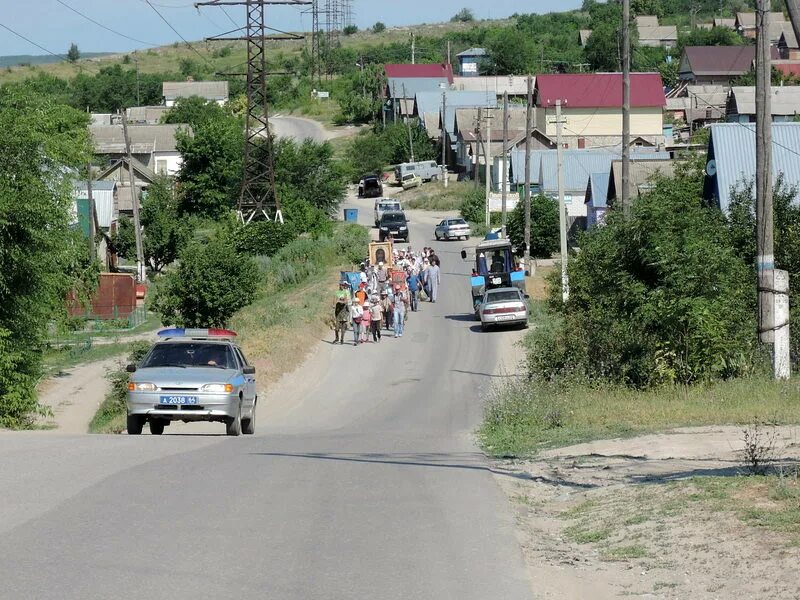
478, 145
92, 214
137, 226
527, 191
488, 157
773, 284
793, 8
626, 104
408, 128
444, 139
562, 209
413, 49
448, 52
504, 174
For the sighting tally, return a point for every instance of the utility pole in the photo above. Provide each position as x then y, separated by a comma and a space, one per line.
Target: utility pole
448, 52
527, 191
413, 49
488, 157
626, 104
504, 175
394, 103
793, 8
562, 209
408, 128
136, 60
476, 155
137, 225
444, 138
92, 214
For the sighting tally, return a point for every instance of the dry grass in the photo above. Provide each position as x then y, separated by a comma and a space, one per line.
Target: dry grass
536, 285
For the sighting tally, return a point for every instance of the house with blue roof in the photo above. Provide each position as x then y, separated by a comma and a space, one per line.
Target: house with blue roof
731, 160
596, 199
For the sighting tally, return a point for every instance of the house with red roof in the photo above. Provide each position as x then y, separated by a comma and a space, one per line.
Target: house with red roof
591, 108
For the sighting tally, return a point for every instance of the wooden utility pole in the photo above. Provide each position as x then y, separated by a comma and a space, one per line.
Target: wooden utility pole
92, 214
444, 138
527, 191
562, 209
408, 128
504, 174
626, 103
488, 157
137, 226
394, 103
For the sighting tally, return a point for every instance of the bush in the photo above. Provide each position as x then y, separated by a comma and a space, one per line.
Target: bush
211, 283
263, 238
350, 29
465, 15
473, 209
114, 405
658, 297
544, 226
379, 27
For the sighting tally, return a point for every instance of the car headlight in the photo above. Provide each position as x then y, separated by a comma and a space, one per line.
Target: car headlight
384, 229
217, 388
404, 227
141, 387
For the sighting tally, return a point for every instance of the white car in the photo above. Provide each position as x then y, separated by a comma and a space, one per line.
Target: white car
503, 306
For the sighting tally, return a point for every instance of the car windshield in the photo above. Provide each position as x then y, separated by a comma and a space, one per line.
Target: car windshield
504, 296
394, 218
190, 354
392, 206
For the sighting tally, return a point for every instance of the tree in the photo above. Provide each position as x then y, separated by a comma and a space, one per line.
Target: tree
603, 47
42, 255
195, 111
510, 52
366, 154
379, 27
465, 15
350, 29
211, 283
308, 171
544, 226
164, 233
210, 175
73, 54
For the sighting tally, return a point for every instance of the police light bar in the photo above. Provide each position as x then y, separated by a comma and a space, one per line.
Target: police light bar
178, 332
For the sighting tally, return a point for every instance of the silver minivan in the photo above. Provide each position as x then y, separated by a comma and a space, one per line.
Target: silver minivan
427, 170
383, 205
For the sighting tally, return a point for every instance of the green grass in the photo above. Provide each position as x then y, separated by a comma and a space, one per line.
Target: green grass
625, 553
581, 535
435, 197
522, 418
62, 359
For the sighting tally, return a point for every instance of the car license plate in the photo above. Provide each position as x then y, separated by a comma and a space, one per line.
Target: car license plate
180, 400
505, 317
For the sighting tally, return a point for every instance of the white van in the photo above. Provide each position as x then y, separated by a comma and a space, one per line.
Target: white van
383, 205
428, 170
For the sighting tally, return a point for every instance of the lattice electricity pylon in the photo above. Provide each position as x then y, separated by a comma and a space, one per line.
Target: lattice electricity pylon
259, 194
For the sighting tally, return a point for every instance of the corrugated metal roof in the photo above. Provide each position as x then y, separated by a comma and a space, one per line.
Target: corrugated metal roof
146, 114
597, 190
431, 102
726, 23
578, 167
515, 85
210, 90
718, 60
103, 196
518, 165
598, 90
473, 52
419, 70
747, 20
785, 100
145, 139
408, 87
641, 171
659, 33
733, 148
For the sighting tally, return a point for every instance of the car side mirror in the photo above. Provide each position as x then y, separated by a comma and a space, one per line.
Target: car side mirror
464, 254
131, 368
249, 370
527, 296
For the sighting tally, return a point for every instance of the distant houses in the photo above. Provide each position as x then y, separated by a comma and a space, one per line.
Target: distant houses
469, 61
154, 146
784, 104
211, 91
715, 65
652, 34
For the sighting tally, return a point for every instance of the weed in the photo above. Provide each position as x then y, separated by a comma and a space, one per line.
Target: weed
625, 553
759, 447
587, 536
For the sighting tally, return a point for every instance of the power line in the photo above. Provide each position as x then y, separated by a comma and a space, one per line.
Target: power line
192, 48
88, 18
30, 41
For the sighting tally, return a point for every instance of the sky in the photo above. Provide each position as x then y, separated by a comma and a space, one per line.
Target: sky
52, 25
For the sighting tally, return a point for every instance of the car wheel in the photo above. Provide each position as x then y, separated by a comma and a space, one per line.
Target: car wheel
233, 426
249, 424
466, 237
135, 424
435, 178
436, 235
484, 327
156, 427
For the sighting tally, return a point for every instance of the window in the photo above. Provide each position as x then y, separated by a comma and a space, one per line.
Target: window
567, 198
190, 354
161, 167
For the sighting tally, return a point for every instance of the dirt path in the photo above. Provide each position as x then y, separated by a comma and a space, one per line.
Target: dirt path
75, 395
640, 518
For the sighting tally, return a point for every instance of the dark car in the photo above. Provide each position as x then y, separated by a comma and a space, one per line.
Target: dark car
394, 225
370, 186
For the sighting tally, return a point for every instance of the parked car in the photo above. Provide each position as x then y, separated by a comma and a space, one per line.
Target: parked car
383, 205
393, 224
428, 170
452, 228
504, 306
370, 186
411, 181
192, 375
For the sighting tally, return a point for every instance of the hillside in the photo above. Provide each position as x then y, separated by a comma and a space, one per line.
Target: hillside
13, 60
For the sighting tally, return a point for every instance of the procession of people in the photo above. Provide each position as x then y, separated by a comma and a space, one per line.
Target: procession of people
379, 299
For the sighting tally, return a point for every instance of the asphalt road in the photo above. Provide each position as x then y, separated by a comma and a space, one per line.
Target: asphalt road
362, 482
298, 128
